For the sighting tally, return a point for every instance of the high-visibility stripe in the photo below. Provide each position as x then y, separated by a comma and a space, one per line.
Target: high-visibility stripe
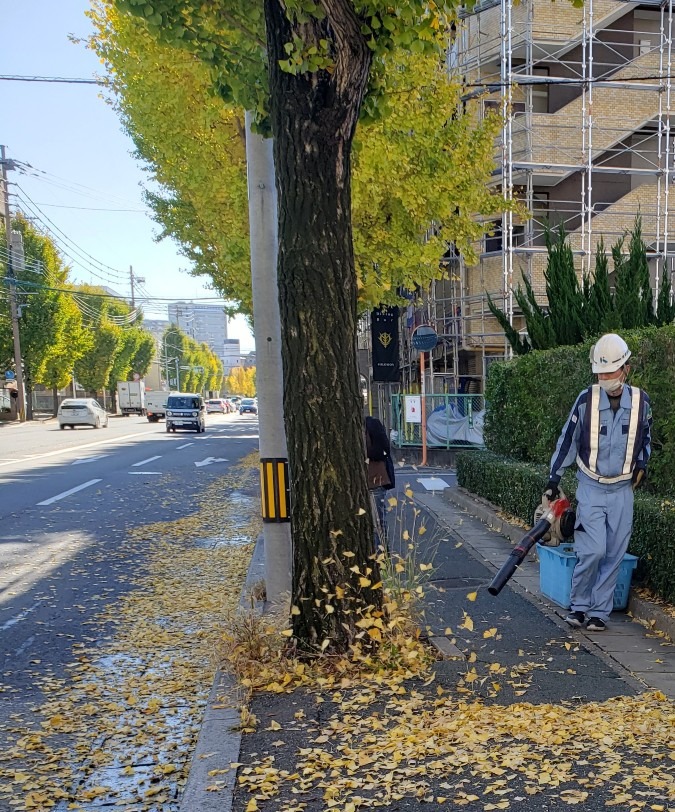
632, 438
635, 414
274, 490
594, 406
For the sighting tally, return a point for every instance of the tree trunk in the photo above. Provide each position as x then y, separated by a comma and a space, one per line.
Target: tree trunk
313, 121
55, 401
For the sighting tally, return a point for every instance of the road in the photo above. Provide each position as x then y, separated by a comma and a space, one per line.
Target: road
67, 502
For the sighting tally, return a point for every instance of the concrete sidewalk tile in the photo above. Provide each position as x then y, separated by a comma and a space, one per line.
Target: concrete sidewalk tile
659, 681
639, 663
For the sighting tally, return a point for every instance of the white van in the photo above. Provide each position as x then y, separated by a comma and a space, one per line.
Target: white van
185, 410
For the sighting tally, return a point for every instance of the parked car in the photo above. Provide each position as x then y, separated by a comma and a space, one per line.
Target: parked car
249, 405
82, 412
217, 405
186, 411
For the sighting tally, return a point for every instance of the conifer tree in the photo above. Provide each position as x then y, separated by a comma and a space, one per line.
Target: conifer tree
634, 296
600, 313
565, 299
665, 308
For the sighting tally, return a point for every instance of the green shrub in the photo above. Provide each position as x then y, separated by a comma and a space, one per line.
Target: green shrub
529, 399
516, 488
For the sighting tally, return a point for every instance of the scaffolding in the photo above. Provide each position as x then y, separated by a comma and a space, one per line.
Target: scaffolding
585, 98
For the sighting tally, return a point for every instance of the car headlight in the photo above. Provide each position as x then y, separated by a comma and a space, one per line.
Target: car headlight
194, 414
168, 414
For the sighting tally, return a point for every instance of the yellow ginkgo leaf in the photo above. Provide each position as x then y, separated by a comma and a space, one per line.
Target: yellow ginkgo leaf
472, 596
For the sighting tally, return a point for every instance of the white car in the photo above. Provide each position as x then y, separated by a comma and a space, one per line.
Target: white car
82, 412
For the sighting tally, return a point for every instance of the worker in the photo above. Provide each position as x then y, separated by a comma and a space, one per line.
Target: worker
608, 434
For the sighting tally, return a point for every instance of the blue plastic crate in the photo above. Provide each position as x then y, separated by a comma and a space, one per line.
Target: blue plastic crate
555, 575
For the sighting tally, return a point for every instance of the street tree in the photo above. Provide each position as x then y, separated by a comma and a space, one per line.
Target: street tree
145, 352
419, 170
241, 381
192, 143
309, 71
73, 340
43, 309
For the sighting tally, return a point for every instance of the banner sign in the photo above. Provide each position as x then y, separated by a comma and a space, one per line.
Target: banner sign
384, 330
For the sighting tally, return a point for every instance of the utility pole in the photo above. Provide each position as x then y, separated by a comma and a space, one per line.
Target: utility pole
135, 280
262, 211
14, 314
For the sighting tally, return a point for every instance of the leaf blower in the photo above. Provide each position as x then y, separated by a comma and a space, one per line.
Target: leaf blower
553, 523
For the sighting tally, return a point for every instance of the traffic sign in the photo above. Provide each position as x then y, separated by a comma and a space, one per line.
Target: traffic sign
9, 375
424, 338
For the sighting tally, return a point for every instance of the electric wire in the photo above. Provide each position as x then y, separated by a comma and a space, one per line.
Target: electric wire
80, 258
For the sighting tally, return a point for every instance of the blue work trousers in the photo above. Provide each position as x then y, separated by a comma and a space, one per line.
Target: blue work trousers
601, 535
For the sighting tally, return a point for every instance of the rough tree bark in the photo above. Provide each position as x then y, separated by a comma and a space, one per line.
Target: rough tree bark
314, 117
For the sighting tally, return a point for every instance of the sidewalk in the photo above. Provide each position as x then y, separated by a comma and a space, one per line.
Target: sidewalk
463, 737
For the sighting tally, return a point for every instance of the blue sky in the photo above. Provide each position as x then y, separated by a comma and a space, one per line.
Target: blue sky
84, 167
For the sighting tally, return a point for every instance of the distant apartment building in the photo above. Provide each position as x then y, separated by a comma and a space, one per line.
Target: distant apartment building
204, 323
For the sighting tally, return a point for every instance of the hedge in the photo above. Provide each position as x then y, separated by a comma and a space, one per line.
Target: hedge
516, 488
529, 399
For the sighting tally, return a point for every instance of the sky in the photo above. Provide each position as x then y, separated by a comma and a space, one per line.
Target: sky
85, 179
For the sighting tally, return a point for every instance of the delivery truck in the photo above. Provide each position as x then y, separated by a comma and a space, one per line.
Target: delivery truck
155, 405
131, 397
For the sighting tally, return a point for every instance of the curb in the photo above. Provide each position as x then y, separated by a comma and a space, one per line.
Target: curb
219, 739
638, 607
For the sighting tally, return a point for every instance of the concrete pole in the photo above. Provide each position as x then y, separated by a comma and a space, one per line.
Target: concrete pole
262, 212
13, 309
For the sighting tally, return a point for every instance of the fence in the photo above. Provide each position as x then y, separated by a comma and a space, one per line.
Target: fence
453, 421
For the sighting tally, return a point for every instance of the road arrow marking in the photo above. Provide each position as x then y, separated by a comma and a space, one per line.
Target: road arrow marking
83, 460
210, 460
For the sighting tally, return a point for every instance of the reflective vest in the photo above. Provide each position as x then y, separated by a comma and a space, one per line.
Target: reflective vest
587, 458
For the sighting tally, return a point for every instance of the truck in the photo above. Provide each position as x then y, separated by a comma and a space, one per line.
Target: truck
131, 397
155, 405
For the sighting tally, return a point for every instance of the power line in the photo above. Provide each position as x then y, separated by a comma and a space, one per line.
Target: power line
69, 80
111, 274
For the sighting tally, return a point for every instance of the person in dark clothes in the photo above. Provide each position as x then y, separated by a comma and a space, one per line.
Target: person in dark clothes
381, 476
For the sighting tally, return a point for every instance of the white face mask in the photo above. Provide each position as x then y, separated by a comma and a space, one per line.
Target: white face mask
613, 386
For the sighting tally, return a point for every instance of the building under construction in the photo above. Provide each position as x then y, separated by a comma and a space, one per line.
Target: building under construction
585, 100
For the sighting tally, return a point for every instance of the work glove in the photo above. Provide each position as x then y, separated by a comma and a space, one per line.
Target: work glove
552, 491
639, 477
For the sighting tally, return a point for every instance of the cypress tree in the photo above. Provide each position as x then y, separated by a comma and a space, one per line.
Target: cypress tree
601, 315
565, 296
666, 309
634, 297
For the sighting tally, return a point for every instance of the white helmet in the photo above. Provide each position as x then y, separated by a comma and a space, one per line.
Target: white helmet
609, 354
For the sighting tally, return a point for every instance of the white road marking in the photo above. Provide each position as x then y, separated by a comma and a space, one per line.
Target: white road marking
84, 460
178, 448
145, 473
210, 460
68, 493
79, 447
18, 618
25, 645
143, 462
434, 483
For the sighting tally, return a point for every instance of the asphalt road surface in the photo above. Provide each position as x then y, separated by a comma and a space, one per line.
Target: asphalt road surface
66, 499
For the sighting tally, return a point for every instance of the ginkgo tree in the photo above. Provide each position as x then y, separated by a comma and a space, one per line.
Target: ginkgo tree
416, 171
309, 71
